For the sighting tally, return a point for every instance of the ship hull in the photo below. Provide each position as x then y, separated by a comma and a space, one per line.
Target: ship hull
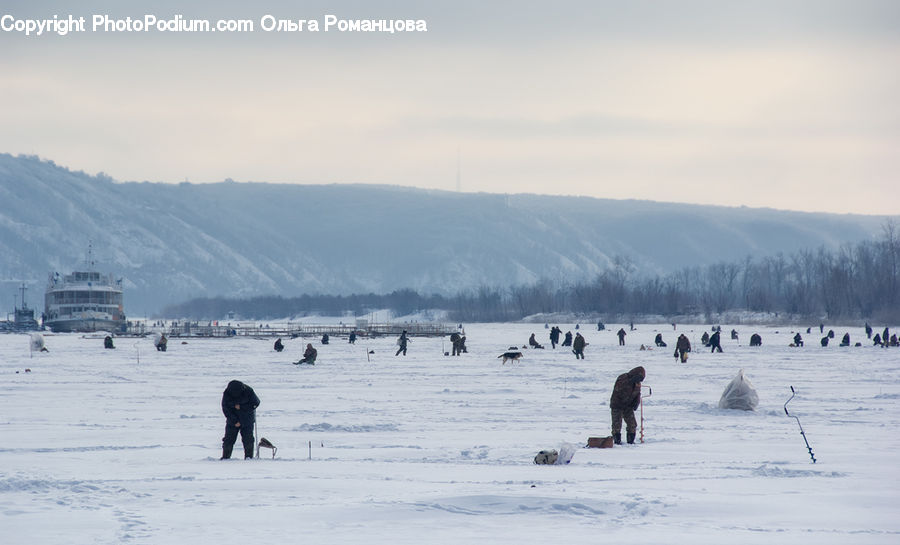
84, 325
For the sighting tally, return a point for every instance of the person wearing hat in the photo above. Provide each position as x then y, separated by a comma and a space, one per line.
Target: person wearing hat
625, 399
239, 403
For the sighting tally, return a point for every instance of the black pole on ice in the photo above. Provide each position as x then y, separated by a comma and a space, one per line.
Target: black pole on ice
809, 448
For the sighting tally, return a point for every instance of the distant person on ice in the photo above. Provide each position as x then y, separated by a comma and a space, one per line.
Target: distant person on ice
568, 340
578, 346
682, 347
660, 343
714, 342
239, 403
798, 340
108, 342
352, 338
309, 355
532, 342
325, 338
621, 335
459, 344
625, 399
401, 342
554, 336
279, 346
161, 343
845, 341
454, 339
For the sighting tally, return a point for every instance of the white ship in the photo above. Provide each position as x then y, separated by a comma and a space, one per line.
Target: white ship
84, 301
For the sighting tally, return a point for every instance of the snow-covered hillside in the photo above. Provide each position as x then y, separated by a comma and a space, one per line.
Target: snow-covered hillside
122, 446
172, 242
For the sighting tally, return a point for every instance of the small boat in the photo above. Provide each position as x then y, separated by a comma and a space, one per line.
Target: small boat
23, 318
84, 301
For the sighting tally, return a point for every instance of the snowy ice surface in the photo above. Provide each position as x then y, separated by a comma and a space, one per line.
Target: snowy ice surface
122, 446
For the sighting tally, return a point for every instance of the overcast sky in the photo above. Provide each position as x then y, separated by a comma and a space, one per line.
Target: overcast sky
790, 105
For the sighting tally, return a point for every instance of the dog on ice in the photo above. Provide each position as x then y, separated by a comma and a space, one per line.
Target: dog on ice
514, 356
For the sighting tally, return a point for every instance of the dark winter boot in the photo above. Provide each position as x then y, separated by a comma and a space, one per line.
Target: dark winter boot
630, 437
226, 453
617, 438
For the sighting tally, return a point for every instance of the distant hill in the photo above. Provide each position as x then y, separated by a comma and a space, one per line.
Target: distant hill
171, 242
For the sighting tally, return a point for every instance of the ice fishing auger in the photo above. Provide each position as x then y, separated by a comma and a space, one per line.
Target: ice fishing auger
809, 448
650, 393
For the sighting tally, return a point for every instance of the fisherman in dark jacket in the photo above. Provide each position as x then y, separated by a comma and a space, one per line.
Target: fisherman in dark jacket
108, 342
845, 341
621, 333
625, 399
309, 355
532, 342
705, 338
279, 346
239, 403
401, 343
682, 347
798, 339
454, 342
568, 340
755, 340
660, 343
554, 336
714, 342
578, 346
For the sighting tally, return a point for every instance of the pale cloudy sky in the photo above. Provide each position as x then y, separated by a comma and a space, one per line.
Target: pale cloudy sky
789, 105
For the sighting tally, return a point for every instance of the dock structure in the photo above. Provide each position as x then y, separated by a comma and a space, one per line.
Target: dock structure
195, 329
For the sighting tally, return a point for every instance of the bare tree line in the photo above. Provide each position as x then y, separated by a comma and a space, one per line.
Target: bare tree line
856, 281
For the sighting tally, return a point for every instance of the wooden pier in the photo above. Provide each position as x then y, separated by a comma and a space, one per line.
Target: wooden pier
289, 331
